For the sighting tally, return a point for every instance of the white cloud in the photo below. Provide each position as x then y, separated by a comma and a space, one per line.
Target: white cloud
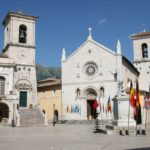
102, 21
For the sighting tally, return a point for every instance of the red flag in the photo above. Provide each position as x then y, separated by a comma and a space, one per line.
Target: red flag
137, 115
95, 105
103, 108
109, 104
132, 102
138, 104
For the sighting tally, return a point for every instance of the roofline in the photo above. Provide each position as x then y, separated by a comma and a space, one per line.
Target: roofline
19, 15
8, 64
137, 35
131, 64
48, 84
48, 79
93, 41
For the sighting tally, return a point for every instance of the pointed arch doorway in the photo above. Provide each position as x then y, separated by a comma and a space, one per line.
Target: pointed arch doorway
91, 96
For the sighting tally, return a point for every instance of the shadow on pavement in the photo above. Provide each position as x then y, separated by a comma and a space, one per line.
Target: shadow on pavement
144, 148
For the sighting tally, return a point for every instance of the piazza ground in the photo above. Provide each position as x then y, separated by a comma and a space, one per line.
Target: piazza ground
67, 137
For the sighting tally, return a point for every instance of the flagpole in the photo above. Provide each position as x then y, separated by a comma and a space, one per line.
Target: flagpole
107, 115
128, 115
101, 113
145, 121
136, 119
129, 106
100, 110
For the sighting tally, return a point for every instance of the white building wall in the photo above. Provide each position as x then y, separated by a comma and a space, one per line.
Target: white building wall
128, 74
23, 54
142, 64
11, 31
137, 48
81, 57
144, 78
73, 77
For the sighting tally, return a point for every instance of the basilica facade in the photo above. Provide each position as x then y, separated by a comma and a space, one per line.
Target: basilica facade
93, 72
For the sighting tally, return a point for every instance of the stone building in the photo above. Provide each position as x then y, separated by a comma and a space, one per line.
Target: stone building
141, 49
19, 45
8, 98
49, 97
18, 87
93, 70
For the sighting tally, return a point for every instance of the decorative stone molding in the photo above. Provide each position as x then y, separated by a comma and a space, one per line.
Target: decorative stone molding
23, 84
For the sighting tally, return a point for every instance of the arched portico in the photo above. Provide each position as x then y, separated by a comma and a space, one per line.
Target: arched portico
90, 94
4, 111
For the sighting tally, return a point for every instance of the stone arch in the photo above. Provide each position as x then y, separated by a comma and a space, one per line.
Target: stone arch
90, 92
4, 111
102, 91
78, 93
22, 33
144, 50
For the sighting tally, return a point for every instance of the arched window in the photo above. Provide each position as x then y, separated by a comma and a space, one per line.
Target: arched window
144, 50
2, 85
101, 92
22, 34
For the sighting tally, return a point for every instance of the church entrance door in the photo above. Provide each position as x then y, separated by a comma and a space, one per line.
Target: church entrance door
23, 99
90, 111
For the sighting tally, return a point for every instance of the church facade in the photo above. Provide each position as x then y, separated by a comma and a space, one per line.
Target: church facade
93, 71
18, 87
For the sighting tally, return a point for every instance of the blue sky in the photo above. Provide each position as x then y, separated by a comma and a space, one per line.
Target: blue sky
65, 23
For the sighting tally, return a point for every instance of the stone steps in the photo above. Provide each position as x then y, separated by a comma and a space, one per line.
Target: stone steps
78, 121
31, 117
116, 130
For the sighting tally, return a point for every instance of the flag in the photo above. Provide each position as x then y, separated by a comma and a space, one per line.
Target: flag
138, 104
137, 115
98, 100
103, 108
109, 105
132, 102
100, 108
95, 105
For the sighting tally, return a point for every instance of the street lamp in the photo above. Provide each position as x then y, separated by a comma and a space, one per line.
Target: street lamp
13, 120
53, 114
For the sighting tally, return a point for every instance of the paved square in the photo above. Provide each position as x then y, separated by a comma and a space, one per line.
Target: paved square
66, 137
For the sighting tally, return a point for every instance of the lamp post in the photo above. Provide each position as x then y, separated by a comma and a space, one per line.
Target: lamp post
53, 114
13, 120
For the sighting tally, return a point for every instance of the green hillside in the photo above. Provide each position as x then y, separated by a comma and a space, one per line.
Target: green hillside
47, 72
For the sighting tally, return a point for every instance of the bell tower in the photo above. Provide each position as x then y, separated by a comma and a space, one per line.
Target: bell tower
141, 49
19, 44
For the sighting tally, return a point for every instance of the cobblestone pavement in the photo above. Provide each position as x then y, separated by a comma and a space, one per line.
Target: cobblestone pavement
67, 137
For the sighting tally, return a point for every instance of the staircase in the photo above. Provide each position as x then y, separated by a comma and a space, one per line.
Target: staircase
31, 117
78, 121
